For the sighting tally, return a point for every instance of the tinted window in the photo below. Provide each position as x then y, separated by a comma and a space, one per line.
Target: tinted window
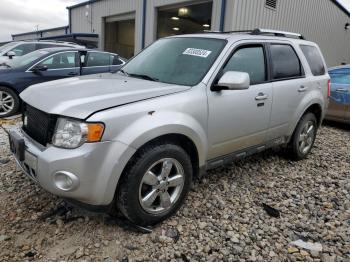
285, 62
41, 46
98, 59
178, 60
116, 60
60, 61
340, 78
250, 60
23, 49
314, 59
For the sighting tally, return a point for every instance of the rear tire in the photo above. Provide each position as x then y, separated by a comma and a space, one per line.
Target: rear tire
9, 102
155, 184
303, 137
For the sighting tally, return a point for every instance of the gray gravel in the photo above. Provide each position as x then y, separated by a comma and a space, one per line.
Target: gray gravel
222, 219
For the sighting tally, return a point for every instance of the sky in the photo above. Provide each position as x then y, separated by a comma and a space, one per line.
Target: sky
20, 16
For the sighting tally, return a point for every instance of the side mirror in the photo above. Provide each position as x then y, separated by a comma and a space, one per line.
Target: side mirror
11, 54
233, 80
39, 68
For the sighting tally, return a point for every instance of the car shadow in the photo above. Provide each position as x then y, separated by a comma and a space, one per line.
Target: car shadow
338, 125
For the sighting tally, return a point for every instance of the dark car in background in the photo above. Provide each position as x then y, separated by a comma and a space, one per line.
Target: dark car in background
339, 101
47, 65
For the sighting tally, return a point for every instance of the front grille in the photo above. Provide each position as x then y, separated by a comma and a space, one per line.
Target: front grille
38, 124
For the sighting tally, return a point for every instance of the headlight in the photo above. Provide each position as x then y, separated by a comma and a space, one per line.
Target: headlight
70, 133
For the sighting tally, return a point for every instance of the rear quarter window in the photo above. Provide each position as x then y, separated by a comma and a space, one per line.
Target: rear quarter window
314, 59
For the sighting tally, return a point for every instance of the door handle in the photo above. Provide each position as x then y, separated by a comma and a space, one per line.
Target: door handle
341, 90
261, 96
72, 73
302, 89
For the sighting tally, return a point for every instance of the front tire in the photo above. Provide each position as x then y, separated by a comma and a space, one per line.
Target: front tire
155, 184
303, 137
9, 102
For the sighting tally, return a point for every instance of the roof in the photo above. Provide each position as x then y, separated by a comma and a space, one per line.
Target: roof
73, 35
42, 31
82, 4
57, 49
346, 68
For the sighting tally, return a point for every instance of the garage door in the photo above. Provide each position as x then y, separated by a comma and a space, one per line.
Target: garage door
120, 34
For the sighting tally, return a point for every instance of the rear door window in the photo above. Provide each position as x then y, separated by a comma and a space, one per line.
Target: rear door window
285, 62
314, 60
116, 60
98, 59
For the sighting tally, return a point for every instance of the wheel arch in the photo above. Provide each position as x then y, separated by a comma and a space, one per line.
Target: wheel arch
10, 87
178, 139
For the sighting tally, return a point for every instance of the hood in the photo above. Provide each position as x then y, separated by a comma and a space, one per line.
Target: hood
79, 97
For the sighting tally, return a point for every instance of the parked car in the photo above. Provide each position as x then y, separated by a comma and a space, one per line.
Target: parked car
135, 140
47, 65
19, 48
339, 102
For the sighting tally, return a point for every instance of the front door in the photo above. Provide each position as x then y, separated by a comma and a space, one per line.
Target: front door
60, 65
239, 119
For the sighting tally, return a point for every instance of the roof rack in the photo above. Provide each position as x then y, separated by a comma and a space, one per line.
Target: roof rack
259, 31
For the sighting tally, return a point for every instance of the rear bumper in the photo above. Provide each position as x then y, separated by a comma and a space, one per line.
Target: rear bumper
96, 168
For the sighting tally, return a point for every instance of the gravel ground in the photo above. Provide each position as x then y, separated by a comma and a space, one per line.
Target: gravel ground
223, 218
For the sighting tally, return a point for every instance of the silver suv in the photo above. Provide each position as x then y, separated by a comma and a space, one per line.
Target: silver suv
134, 140
19, 48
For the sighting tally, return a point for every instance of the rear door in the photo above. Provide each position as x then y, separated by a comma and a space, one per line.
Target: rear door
289, 87
96, 62
60, 65
339, 102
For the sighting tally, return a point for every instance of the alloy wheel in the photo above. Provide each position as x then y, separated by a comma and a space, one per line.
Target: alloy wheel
306, 137
161, 186
7, 103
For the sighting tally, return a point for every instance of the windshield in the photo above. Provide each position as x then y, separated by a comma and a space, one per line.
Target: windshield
6, 46
181, 60
26, 59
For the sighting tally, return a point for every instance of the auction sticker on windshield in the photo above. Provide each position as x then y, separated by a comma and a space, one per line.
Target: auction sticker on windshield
197, 52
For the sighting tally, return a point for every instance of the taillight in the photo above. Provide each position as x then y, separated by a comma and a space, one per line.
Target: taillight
329, 88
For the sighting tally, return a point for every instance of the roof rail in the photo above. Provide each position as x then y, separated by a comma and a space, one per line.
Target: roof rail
259, 31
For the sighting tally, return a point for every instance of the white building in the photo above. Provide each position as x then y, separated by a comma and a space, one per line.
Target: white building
126, 26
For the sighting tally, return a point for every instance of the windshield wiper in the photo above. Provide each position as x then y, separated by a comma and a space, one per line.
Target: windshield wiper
4, 64
146, 77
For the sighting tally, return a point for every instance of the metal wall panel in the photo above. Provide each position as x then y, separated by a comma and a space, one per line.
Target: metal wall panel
320, 21
98, 11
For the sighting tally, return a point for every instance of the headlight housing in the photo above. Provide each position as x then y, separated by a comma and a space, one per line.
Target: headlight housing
71, 133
